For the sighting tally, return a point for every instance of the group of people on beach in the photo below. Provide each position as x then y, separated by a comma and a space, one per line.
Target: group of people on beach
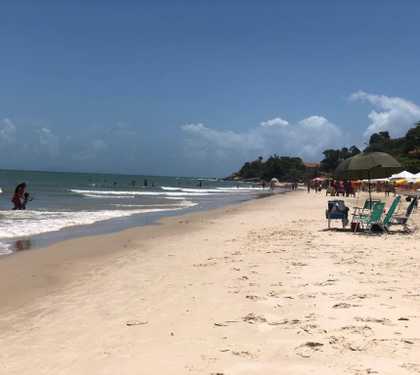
332, 187
347, 188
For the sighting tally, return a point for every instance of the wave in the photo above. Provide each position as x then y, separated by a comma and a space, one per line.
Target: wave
103, 196
182, 204
217, 190
28, 223
133, 193
243, 188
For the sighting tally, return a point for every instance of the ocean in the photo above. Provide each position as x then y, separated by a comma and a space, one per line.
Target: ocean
66, 205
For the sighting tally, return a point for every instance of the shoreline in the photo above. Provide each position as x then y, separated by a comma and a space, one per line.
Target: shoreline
117, 224
17, 270
247, 289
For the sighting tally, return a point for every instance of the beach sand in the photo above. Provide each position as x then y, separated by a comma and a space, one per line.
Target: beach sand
257, 288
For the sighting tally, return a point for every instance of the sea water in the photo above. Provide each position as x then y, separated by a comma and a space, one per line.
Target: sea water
67, 205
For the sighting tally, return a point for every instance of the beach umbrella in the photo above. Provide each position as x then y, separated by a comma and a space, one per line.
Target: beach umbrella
367, 165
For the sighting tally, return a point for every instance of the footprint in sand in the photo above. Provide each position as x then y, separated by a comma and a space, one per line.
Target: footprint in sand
244, 354
273, 294
327, 282
130, 323
383, 321
251, 318
225, 323
311, 329
254, 298
205, 264
413, 367
343, 305
299, 264
343, 343
307, 349
364, 331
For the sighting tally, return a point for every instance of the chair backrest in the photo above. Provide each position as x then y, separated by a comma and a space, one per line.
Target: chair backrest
391, 210
370, 203
410, 207
377, 211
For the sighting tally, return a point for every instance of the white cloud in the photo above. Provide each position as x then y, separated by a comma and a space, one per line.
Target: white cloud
274, 122
122, 129
307, 138
91, 150
392, 114
99, 145
220, 141
7, 131
49, 142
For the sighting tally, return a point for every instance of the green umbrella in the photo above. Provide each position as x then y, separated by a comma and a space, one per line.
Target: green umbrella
367, 165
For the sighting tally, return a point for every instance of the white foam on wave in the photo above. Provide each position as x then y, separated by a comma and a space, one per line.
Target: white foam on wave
182, 204
170, 188
28, 223
217, 190
102, 196
132, 193
243, 188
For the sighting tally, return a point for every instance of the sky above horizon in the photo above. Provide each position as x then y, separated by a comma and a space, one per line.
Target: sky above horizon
196, 88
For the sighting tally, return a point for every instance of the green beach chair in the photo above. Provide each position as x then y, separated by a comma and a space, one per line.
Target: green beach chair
366, 222
390, 213
403, 219
365, 210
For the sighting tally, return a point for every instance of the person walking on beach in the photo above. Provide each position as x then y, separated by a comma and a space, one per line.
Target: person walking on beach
20, 197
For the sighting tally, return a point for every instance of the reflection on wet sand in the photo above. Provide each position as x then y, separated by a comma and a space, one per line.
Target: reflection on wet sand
21, 245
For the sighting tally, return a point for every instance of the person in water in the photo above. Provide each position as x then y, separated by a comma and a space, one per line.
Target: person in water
20, 197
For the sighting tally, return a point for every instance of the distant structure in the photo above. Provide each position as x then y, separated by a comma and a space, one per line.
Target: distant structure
312, 169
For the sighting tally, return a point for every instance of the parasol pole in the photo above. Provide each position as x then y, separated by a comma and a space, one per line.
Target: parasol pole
370, 195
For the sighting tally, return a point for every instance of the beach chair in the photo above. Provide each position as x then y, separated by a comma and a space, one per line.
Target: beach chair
367, 222
365, 210
388, 217
337, 210
403, 219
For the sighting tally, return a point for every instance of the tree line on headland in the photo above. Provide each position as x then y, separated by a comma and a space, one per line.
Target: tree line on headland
405, 149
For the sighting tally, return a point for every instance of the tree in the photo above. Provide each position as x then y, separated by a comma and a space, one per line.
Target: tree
284, 168
333, 157
412, 138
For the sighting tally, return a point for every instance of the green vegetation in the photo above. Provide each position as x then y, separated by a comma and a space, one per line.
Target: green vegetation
333, 157
405, 149
282, 167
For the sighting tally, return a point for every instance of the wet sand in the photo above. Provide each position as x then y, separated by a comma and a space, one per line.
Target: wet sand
258, 288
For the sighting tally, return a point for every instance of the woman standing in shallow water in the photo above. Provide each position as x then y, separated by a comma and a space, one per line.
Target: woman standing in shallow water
20, 197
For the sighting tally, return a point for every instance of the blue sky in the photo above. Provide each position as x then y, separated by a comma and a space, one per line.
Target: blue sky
199, 87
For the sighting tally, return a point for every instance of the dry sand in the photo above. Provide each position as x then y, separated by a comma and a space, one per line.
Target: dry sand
259, 288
